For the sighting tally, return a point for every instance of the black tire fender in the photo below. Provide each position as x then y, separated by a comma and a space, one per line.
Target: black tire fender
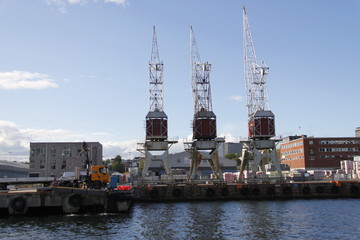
270, 191
255, 191
75, 200
354, 190
335, 190
18, 203
287, 190
177, 192
306, 190
154, 193
225, 191
245, 191
319, 189
210, 192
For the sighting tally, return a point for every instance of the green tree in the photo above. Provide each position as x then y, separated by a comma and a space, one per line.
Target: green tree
117, 165
107, 162
232, 156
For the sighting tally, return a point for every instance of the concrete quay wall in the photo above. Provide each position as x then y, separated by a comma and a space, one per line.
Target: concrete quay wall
61, 200
204, 192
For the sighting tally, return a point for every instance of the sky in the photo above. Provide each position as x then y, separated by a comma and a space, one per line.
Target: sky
77, 70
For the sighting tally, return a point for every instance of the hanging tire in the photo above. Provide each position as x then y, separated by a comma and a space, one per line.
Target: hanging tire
72, 203
270, 191
75, 200
335, 190
225, 191
319, 189
255, 191
287, 190
245, 191
154, 194
177, 192
18, 204
354, 190
210, 192
306, 190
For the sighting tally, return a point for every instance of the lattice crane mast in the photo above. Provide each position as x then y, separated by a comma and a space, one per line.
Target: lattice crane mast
261, 120
200, 79
156, 145
204, 122
156, 78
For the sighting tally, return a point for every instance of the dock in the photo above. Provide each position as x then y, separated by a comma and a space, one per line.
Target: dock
238, 191
74, 200
63, 200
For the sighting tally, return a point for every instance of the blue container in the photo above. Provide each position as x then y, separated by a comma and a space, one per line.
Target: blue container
113, 181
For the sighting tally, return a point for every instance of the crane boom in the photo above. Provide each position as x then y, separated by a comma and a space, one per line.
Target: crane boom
200, 78
255, 74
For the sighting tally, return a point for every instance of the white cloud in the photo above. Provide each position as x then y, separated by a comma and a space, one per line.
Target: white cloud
62, 4
118, 2
126, 149
16, 140
237, 98
25, 80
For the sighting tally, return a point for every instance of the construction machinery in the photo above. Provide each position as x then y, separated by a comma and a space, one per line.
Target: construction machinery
156, 145
96, 176
261, 121
204, 144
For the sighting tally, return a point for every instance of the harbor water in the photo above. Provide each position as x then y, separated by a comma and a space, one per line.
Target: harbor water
291, 219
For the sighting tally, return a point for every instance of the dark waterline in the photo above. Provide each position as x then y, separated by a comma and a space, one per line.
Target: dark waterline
295, 219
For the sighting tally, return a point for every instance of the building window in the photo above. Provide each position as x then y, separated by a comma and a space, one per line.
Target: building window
94, 154
32, 152
66, 152
311, 151
39, 152
42, 163
312, 157
63, 165
32, 163
53, 164
311, 142
80, 153
53, 152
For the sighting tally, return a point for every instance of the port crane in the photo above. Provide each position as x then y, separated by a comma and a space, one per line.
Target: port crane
156, 146
261, 120
204, 144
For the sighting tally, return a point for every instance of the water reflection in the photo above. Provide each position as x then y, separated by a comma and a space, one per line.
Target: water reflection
180, 220
295, 219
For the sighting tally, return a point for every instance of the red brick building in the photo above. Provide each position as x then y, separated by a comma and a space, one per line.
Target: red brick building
302, 152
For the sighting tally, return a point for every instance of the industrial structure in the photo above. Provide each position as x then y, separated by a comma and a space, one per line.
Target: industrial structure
357, 132
13, 169
204, 144
314, 153
261, 121
156, 145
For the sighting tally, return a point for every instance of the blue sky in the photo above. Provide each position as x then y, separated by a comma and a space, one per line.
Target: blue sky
77, 70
